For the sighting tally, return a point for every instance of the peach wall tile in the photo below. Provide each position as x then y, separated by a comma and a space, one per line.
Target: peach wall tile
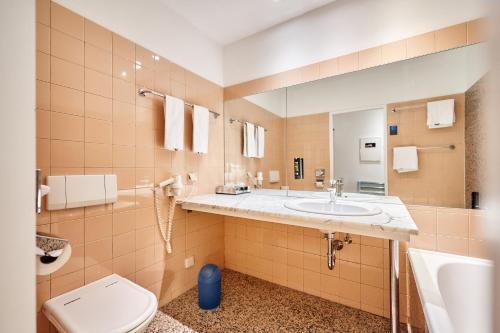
65, 20
42, 294
67, 100
349, 290
66, 127
98, 59
123, 48
425, 219
144, 237
123, 156
372, 276
372, 256
394, 52
98, 227
123, 112
123, 244
424, 241
126, 200
370, 58
453, 222
98, 131
98, 83
372, 296
73, 231
144, 77
451, 37
65, 283
98, 251
75, 263
144, 56
43, 11
478, 225
42, 38
126, 178
42, 95
123, 91
43, 124
66, 47
312, 262
123, 69
98, 36
65, 73
477, 31
452, 245
144, 157
348, 63
123, 222
350, 253
98, 155
66, 153
98, 107
144, 257
123, 265
479, 249
349, 271
43, 153
421, 45
145, 217
42, 66
98, 271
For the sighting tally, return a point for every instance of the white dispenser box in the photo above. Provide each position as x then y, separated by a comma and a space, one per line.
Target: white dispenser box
370, 149
81, 190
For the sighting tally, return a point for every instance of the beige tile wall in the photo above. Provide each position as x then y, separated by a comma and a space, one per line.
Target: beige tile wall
440, 180
307, 137
236, 164
91, 121
467, 33
295, 257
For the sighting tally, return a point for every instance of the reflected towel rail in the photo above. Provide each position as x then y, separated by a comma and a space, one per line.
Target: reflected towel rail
143, 92
409, 107
232, 120
450, 147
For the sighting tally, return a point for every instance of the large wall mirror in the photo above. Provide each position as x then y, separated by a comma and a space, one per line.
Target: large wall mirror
425, 110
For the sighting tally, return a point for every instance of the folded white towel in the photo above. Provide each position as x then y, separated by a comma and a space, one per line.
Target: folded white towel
260, 134
249, 144
200, 129
274, 176
405, 159
174, 123
441, 113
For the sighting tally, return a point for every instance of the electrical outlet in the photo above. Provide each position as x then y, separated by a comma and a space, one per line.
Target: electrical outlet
189, 262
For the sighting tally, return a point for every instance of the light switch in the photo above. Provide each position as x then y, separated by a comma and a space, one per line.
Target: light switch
111, 186
57, 195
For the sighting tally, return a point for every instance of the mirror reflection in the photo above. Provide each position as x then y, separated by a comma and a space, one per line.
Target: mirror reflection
407, 129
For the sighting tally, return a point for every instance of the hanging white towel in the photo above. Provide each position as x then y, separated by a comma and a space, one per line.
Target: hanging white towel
260, 134
441, 113
200, 129
274, 176
405, 159
174, 123
249, 143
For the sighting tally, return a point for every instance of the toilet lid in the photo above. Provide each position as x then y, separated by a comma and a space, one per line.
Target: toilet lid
112, 304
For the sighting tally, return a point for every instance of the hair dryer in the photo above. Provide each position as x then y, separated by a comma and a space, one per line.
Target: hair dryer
172, 188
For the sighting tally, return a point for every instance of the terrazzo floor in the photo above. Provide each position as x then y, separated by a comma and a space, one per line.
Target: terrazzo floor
253, 305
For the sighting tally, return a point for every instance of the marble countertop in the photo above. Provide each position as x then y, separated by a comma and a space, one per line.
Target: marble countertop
394, 222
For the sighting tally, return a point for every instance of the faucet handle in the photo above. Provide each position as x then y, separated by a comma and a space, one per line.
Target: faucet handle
332, 182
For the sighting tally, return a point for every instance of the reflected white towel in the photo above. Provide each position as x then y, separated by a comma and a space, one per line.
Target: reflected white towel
249, 144
441, 113
405, 159
174, 123
200, 129
260, 135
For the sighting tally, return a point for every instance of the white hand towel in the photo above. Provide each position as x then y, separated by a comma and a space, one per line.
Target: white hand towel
200, 129
249, 144
405, 159
274, 176
441, 113
174, 123
260, 137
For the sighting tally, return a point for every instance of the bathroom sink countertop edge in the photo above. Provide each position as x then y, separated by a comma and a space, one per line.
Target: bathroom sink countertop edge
394, 222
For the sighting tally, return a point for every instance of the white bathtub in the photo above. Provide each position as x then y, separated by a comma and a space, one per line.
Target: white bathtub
455, 291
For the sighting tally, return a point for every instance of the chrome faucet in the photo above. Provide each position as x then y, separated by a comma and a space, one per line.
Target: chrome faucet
335, 188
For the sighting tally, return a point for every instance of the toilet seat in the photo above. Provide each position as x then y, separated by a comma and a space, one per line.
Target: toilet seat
110, 305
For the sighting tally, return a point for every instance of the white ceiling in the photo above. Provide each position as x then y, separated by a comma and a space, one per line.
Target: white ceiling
226, 21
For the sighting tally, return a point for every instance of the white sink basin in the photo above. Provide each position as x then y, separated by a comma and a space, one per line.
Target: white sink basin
320, 206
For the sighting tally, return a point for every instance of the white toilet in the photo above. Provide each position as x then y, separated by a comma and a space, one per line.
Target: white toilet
110, 305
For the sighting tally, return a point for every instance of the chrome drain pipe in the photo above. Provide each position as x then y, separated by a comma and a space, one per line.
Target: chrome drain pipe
334, 245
